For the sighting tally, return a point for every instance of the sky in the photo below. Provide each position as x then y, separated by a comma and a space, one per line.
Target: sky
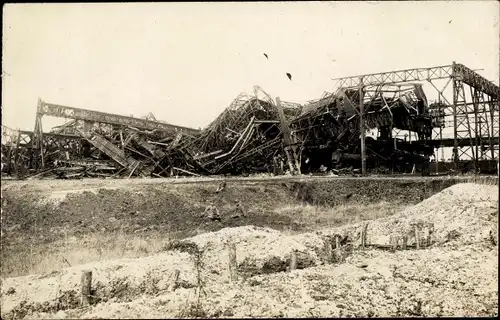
186, 62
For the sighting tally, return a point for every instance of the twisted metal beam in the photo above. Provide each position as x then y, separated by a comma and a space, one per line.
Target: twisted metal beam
61, 111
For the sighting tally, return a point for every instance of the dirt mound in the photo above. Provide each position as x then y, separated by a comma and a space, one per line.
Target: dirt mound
259, 250
466, 213
457, 275
432, 282
116, 280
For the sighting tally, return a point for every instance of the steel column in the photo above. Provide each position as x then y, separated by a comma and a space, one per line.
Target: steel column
362, 126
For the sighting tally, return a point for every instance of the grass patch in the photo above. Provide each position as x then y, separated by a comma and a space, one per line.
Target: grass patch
309, 217
23, 259
36, 258
487, 180
31, 257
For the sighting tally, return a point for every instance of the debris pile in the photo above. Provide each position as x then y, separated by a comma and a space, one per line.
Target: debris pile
255, 134
330, 127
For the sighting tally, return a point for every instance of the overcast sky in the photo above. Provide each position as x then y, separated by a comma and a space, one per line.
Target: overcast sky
186, 62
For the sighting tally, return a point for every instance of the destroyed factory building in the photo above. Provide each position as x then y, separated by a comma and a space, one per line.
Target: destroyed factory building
257, 133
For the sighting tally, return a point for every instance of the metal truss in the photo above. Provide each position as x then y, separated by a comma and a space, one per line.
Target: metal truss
473, 111
16, 159
108, 118
393, 77
42, 140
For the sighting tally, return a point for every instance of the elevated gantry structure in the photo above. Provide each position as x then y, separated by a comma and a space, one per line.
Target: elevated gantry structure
472, 111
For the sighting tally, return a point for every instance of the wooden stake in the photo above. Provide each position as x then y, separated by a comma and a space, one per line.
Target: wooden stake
86, 283
232, 262
417, 238
175, 280
293, 261
363, 235
328, 250
337, 241
394, 243
405, 242
430, 233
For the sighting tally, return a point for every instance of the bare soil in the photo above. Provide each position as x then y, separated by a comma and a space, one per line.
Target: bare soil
456, 276
80, 207
43, 220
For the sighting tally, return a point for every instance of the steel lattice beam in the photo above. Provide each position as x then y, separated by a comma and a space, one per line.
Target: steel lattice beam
474, 121
60, 111
393, 77
475, 80
455, 70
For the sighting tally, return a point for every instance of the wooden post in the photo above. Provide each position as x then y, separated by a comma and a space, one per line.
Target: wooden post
417, 238
328, 250
430, 233
337, 241
405, 242
86, 283
293, 260
363, 235
175, 280
232, 262
394, 243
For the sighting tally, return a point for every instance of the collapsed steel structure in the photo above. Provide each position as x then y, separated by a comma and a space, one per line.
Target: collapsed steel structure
332, 126
259, 134
472, 111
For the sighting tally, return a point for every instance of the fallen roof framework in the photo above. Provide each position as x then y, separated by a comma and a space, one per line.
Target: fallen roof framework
256, 132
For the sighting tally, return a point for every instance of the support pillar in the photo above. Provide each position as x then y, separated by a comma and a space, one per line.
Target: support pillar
362, 126
455, 133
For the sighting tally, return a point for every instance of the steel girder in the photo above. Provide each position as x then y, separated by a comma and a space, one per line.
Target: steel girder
475, 116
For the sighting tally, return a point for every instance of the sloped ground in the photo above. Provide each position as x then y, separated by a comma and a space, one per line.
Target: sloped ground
47, 225
456, 276
47, 207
